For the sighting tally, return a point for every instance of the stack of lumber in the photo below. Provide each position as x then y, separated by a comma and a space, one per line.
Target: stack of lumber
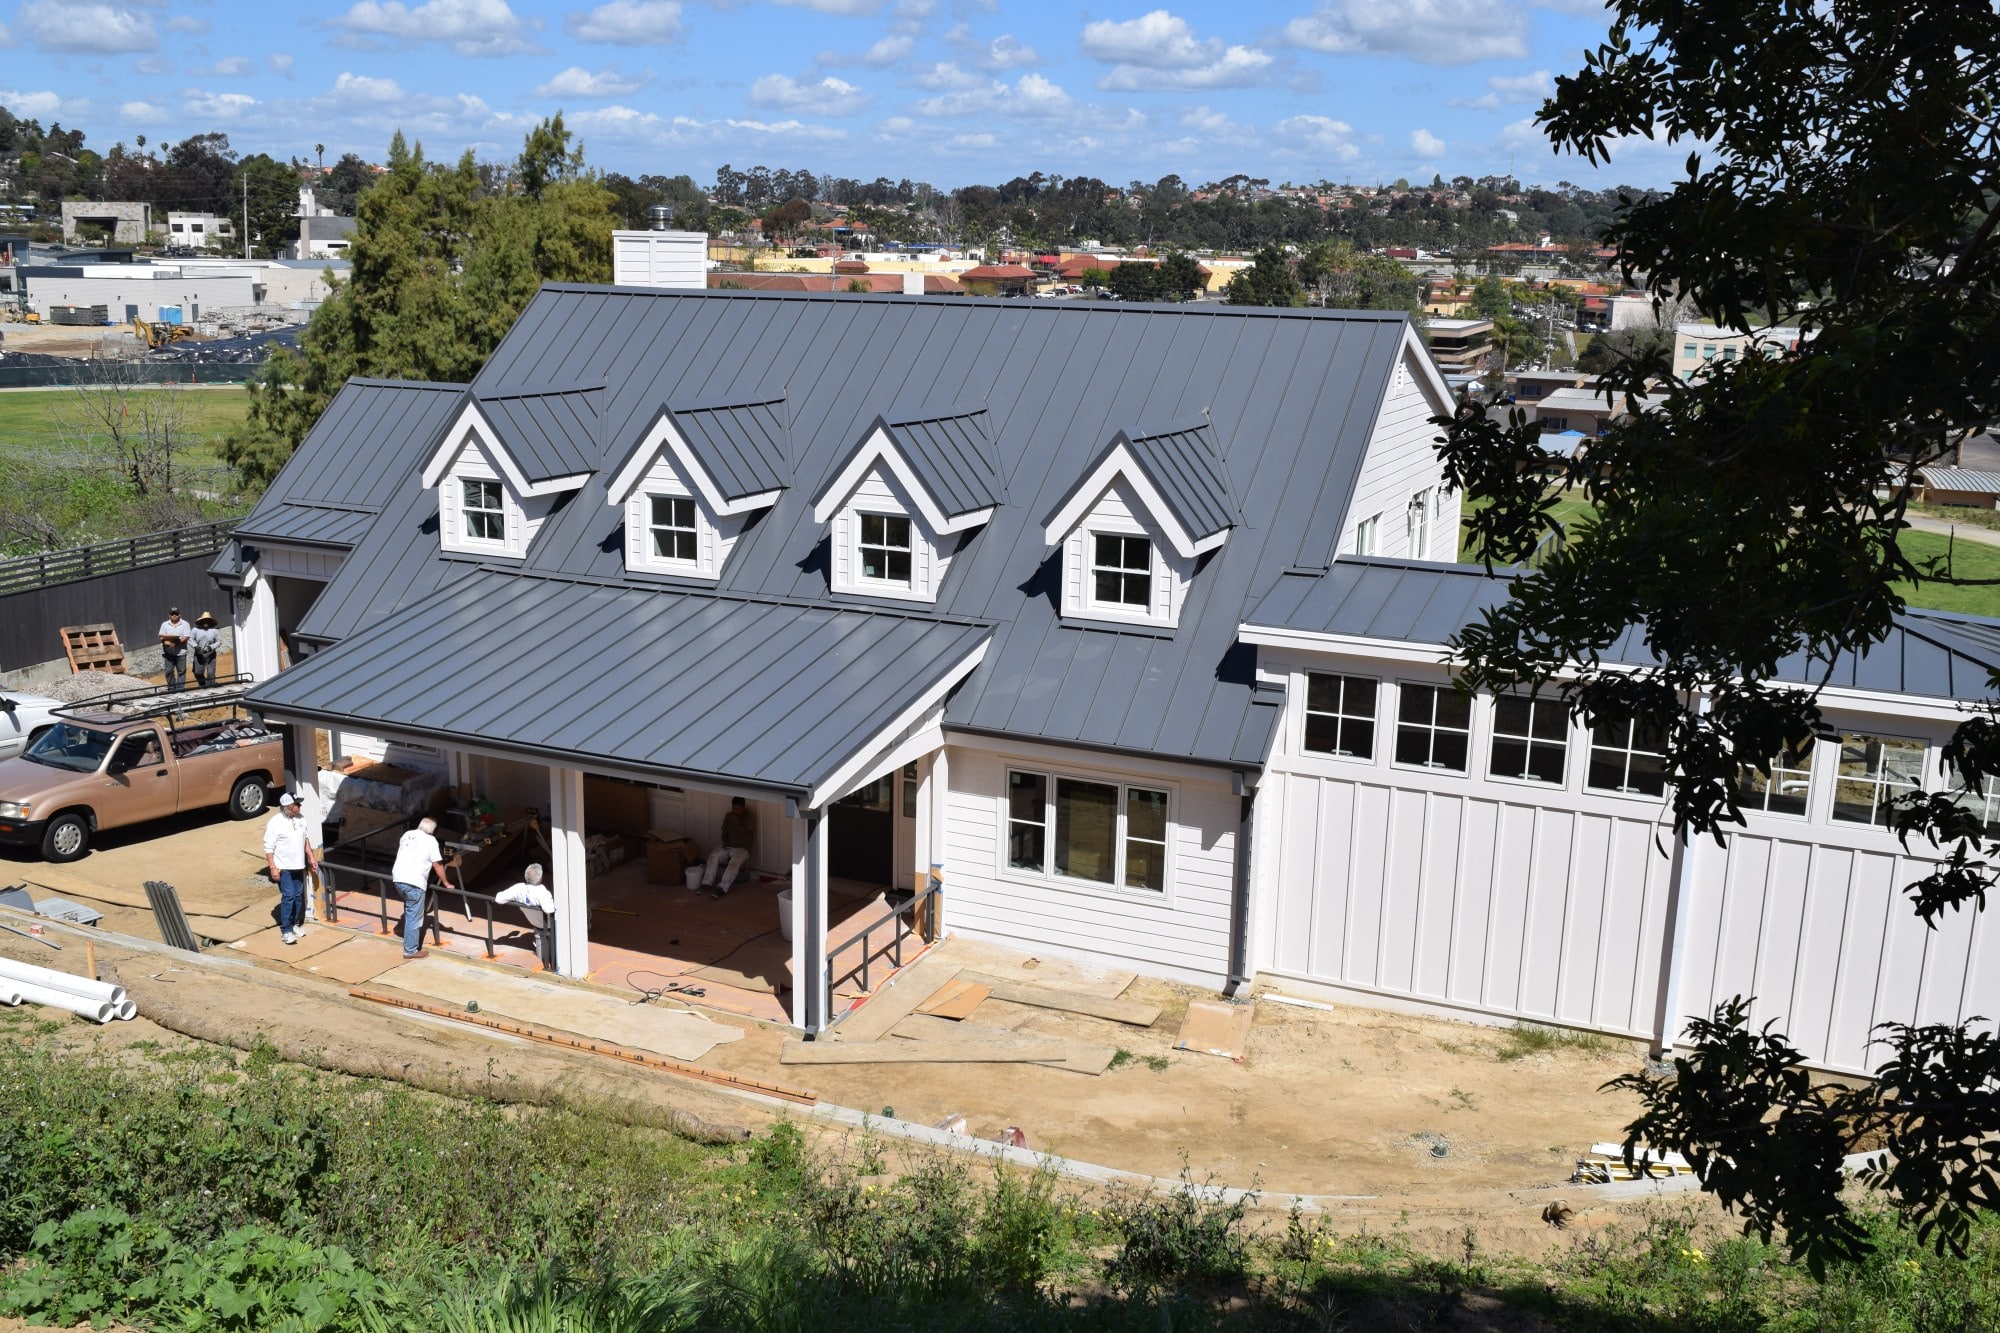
924, 1015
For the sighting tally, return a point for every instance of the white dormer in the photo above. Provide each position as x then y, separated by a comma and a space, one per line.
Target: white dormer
693, 482
1133, 529
488, 504
899, 508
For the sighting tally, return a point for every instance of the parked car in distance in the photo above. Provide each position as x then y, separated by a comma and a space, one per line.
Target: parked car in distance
91, 771
22, 718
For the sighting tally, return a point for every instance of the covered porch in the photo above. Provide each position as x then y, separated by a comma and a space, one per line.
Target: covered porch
829, 728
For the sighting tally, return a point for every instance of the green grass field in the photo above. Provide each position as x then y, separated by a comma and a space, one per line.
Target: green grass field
29, 420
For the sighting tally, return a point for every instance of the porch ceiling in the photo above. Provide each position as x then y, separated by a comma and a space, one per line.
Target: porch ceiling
767, 694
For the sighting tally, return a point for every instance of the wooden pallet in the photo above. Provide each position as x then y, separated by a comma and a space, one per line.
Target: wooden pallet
93, 648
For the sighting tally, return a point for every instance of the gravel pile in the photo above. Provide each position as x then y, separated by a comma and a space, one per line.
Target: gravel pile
84, 686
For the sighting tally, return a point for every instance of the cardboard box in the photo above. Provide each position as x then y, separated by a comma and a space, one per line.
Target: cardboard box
668, 856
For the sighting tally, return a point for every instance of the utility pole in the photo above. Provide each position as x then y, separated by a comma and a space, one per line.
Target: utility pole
246, 215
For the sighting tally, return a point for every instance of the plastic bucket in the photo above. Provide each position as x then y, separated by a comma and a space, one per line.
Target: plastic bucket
785, 913
694, 875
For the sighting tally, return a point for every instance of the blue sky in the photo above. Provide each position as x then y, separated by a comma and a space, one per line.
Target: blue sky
949, 91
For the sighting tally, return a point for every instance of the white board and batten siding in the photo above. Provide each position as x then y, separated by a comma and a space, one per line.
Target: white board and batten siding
1504, 901
1402, 463
1182, 933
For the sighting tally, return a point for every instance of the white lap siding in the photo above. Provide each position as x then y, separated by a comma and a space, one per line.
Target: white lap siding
1401, 462
1182, 933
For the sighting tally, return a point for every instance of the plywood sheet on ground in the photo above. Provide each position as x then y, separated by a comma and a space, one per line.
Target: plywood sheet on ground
355, 959
1134, 1012
270, 944
206, 900
663, 1031
896, 1000
1063, 973
972, 1050
1216, 1027
956, 999
761, 963
1092, 1060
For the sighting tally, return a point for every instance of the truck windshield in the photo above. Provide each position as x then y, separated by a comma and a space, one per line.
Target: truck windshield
66, 745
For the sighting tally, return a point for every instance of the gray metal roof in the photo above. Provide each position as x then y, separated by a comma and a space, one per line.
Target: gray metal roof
1292, 395
1183, 462
774, 694
1960, 479
952, 454
1928, 654
744, 446
357, 455
550, 431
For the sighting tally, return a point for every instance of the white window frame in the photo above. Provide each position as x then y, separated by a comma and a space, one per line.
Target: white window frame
1885, 790
652, 501
1365, 539
1782, 772
1051, 778
1370, 688
1626, 750
1470, 731
862, 578
1418, 522
466, 511
1092, 568
1536, 707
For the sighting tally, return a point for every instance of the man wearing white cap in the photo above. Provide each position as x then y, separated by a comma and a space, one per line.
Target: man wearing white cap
538, 907
288, 853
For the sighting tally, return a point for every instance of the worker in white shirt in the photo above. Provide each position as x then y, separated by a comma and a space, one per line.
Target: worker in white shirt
418, 857
288, 853
538, 905
174, 636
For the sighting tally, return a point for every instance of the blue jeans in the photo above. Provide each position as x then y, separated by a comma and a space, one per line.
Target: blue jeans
413, 916
291, 899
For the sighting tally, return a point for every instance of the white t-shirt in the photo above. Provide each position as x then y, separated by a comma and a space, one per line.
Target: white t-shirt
535, 901
285, 841
176, 629
415, 855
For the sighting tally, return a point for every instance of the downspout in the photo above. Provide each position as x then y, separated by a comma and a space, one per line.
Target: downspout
1239, 896
1680, 894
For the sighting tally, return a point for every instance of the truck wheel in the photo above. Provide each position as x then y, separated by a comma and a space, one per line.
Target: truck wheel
248, 797
67, 838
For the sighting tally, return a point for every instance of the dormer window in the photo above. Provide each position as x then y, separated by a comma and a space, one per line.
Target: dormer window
1121, 573
483, 508
885, 549
675, 529
1133, 527
690, 485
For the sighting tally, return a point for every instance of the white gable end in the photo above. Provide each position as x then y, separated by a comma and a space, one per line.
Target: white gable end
1401, 471
651, 552
1118, 511
881, 493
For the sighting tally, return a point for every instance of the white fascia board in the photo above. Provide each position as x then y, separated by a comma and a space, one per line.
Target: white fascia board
664, 437
844, 778
473, 420
1305, 641
1120, 463
927, 737
880, 450
1428, 373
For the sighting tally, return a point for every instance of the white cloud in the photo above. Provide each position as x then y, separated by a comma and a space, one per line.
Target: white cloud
156, 64
1031, 97
1212, 124
1320, 136
853, 9
1001, 53
577, 81
946, 76
40, 105
353, 89
629, 23
1425, 144
142, 112
189, 24
1437, 32
624, 124
472, 27
279, 62
6, 37
822, 97
1237, 67
1531, 88
878, 56
229, 67
99, 29
1158, 40
209, 106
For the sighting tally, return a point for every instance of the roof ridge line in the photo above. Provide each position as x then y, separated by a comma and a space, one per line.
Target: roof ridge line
728, 595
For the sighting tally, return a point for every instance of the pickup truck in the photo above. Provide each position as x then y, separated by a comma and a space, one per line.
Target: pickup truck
91, 771
22, 718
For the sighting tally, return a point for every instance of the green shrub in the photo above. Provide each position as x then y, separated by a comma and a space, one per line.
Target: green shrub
1188, 1239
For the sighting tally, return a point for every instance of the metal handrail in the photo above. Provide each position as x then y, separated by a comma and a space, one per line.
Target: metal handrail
903, 918
433, 920
82, 562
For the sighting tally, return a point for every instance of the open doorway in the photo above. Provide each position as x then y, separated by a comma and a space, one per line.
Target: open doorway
861, 834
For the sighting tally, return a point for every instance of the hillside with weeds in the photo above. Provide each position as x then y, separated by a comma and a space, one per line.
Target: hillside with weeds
203, 1190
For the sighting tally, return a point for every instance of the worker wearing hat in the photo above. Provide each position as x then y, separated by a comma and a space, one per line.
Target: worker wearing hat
204, 642
289, 854
174, 634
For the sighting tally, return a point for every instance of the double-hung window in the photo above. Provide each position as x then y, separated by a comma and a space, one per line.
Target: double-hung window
1873, 772
1080, 829
675, 535
484, 509
1365, 533
1530, 739
1340, 715
1420, 525
1121, 572
1627, 757
1786, 787
1984, 804
1433, 727
885, 548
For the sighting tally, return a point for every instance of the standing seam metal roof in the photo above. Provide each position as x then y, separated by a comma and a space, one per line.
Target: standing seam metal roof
1292, 395
952, 455
1927, 654
744, 446
1183, 463
549, 431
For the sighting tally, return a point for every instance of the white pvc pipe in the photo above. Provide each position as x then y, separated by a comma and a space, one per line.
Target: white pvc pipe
8, 995
97, 1011
35, 975
126, 1009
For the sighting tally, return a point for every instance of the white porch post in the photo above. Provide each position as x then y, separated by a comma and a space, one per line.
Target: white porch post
809, 973
937, 787
255, 627
926, 803
566, 873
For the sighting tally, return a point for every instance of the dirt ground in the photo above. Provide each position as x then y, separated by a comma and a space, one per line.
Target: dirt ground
1347, 1105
